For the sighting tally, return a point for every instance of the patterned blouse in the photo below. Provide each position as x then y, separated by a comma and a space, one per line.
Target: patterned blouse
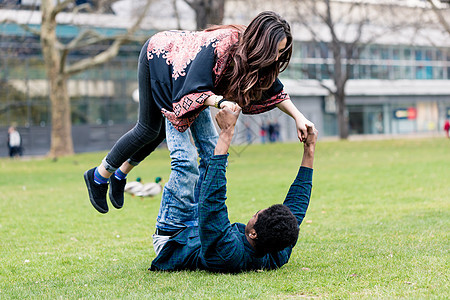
185, 69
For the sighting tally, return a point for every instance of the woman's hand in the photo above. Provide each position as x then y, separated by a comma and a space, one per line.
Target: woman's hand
289, 108
301, 123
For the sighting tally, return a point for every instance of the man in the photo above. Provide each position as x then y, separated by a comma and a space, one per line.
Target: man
14, 142
215, 244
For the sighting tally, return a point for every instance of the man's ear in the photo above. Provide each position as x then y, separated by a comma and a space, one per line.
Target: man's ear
252, 234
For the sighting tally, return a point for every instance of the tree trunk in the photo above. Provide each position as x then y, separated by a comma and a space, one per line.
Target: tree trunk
61, 136
61, 142
342, 115
340, 82
208, 12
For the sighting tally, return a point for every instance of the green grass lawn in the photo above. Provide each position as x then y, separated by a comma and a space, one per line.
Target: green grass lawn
377, 227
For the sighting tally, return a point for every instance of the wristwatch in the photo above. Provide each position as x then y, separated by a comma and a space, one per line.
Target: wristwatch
219, 100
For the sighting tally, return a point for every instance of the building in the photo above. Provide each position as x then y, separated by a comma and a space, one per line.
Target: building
399, 85
396, 87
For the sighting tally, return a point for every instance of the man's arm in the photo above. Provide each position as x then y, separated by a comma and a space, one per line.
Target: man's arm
226, 119
299, 193
219, 245
309, 147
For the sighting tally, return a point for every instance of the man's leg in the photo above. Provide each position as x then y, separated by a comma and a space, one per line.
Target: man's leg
178, 206
179, 201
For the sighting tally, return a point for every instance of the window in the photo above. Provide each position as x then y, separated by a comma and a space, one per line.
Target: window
438, 73
384, 53
419, 54
407, 54
420, 72
312, 72
324, 52
439, 55
311, 51
428, 55
364, 72
396, 72
408, 72
396, 54
374, 53
324, 72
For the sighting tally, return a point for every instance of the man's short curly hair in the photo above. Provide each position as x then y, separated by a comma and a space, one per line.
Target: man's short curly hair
276, 229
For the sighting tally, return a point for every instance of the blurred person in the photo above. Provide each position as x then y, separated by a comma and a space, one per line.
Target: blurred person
181, 74
447, 128
263, 132
211, 242
248, 132
276, 130
14, 142
271, 132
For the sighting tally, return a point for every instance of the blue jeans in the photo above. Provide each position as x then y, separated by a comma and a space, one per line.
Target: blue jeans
179, 201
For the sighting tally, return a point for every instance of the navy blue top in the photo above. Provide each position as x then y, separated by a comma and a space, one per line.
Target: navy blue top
216, 244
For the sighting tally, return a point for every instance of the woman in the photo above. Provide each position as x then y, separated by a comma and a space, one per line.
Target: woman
181, 73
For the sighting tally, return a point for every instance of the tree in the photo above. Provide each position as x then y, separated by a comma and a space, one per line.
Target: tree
207, 12
342, 31
442, 11
55, 53
58, 71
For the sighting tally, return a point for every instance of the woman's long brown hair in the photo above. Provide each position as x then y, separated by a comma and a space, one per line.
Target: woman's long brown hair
255, 67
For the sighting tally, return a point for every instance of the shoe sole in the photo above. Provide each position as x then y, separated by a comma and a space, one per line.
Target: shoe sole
91, 198
113, 202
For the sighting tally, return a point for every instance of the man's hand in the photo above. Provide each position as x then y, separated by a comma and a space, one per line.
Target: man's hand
309, 147
311, 138
226, 119
234, 107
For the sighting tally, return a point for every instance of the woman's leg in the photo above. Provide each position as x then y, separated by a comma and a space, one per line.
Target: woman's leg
144, 132
148, 126
145, 151
118, 181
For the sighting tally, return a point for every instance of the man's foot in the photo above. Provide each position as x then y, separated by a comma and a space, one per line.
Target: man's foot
116, 190
97, 192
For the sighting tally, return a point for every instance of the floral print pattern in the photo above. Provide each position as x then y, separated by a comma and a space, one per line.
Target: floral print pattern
179, 48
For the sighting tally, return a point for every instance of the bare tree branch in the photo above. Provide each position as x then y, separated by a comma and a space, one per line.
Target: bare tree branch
77, 42
23, 26
177, 15
441, 18
60, 7
79, 8
303, 20
111, 51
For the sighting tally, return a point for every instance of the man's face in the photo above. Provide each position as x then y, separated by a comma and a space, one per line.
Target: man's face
252, 221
